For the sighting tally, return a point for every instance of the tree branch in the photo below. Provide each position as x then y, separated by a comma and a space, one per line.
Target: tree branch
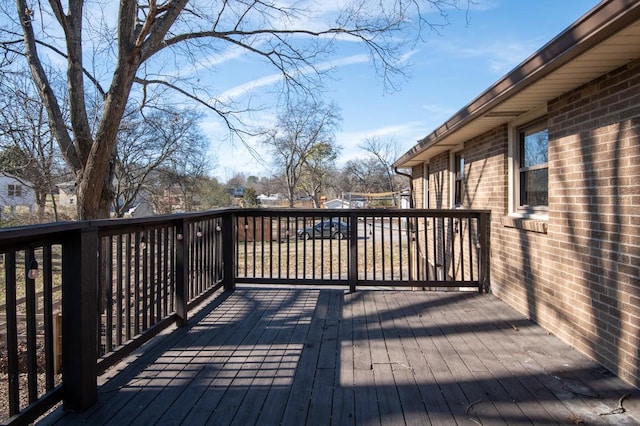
43, 86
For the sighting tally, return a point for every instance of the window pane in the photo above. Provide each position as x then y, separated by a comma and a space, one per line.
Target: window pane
534, 148
459, 166
458, 193
533, 187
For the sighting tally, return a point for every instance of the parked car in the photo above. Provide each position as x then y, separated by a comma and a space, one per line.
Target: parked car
332, 228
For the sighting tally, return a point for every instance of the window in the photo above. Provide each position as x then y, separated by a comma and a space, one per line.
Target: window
14, 190
426, 203
458, 169
533, 170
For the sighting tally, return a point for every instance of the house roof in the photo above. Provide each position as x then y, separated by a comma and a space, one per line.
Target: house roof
336, 201
605, 38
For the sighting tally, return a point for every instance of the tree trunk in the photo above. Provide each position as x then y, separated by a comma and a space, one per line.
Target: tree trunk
55, 208
95, 180
94, 196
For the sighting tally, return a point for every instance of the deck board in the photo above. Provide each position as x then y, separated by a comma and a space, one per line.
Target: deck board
324, 356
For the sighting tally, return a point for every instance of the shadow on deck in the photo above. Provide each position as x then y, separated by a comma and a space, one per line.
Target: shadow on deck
300, 356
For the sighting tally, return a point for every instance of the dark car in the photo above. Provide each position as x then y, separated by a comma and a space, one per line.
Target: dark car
326, 229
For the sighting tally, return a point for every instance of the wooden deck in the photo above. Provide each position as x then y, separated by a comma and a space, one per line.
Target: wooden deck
300, 356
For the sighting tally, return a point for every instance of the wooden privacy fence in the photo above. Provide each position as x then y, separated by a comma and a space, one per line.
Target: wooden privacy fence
117, 283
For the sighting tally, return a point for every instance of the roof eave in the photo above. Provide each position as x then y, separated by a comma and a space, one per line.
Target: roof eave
601, 22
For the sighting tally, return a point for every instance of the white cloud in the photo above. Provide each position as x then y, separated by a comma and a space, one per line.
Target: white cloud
242, 89
501, 56
250, 86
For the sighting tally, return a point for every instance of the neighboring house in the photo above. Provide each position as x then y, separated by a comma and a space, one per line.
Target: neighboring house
15, 194
553, 150
336, 203
270, 200
170, 201
141, 209
236, 192
67, 196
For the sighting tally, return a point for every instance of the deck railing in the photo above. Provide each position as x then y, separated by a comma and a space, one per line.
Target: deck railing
86, 294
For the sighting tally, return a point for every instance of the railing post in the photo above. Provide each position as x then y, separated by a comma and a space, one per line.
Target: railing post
182, 272
228, 252
80, 319
484, 261
353, 251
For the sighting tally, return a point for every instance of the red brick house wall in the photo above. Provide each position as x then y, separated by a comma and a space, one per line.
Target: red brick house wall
577, 273
594, 219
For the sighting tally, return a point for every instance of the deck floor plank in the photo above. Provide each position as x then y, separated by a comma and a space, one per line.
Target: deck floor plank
445, 339
558, 367
342, 412
287, 356
389, 401
298, 403
274, 341
539, 404
324, 382
284, 359
220, 363
437, 381
483, 369
247, 391
417, 351
366, 410
395, 337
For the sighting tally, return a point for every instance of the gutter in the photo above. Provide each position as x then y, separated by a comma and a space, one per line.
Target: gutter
398, 172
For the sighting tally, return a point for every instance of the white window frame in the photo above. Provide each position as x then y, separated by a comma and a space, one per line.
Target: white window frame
425, 185
540, 212
453, 179
14, 190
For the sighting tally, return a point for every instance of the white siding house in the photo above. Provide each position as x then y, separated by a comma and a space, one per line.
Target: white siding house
15, 193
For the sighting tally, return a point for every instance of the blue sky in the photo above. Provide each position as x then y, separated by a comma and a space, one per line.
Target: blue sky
445, 74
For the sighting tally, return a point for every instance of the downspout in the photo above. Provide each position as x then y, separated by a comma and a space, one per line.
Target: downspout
396, 171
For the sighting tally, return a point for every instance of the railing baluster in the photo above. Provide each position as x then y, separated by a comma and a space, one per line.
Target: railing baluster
181, 244
108, 306
12, 333
47, 290
288, 255
151, 283
119, 289
470, 228
30, 293
461, 243
127, 296
166, 278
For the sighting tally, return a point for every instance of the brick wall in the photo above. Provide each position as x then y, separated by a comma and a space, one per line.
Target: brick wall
594, 219
439, 182
417, 176
578, 275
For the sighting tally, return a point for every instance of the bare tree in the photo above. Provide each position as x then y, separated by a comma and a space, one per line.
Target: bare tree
362, 175
303, 130
319, 164
291, 37
27, 148
164, 142
385, 151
